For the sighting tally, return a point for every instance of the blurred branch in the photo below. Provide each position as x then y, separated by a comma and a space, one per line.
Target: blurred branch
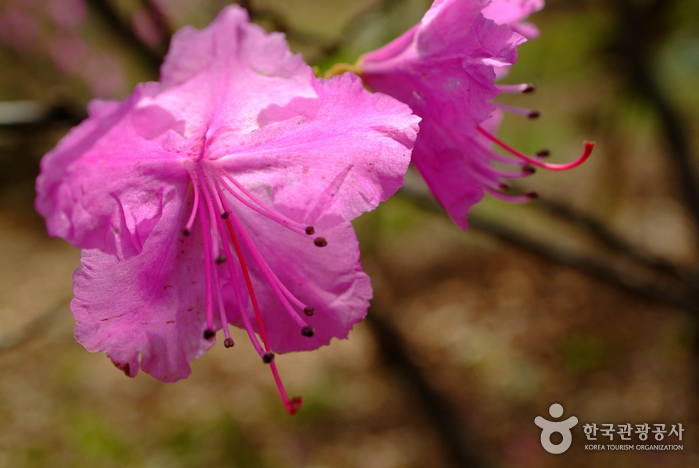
17, 114
679, 296
148, 56
600, 233
394, 350
633, 48
33, 328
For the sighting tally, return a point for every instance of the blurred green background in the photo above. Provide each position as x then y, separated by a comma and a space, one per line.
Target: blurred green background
586, 297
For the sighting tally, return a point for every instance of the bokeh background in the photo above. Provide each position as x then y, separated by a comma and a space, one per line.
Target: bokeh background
587, 297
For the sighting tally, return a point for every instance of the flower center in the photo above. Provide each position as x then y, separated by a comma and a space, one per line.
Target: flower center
225, 239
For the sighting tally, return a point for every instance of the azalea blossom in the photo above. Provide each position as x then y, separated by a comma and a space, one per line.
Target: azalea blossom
445, 69
222, 195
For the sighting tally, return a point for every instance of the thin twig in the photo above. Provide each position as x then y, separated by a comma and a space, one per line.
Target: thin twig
443, 418
606, 237
633, 47
33, 328
680, 296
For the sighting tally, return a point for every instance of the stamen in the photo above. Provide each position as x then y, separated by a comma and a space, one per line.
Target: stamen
292, 405
320, 241
308, 311
278, 287
209, 333
516, 88
248, 283
188, 227
530, 113
205, 233
209, 193
239, 297
260, 207
589, 145
307, 331
522, 198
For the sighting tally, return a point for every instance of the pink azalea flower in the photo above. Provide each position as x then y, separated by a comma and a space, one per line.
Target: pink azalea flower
223, 194
445, 68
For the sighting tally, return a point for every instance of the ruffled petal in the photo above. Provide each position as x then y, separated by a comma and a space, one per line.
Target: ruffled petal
448, 174
105, 185
347, 157
148, 311
329, 279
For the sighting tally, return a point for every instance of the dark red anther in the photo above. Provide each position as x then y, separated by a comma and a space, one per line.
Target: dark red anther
503, 186
529, 89
310, 230
225, 215
228, 343
308, 311
186, 232
320, 241
528, 170
307, 331
268, 357
209, 333
543, 153
534, 114
531, 195
221, 259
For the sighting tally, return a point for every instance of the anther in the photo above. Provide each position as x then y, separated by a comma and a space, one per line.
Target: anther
528, 170
268, 357
228, 342
310, 230
529, 89
531, 195
221, 259
533, 114
225, 215
209, 333
308, 311
307, 331
503, 186
186, 232
320, 241
544, 153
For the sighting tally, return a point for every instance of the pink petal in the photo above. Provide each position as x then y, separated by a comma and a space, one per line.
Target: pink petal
329, 279
104, 186
343, 161
445, 69
148, 311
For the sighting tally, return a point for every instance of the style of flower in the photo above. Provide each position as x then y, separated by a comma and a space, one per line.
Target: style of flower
222, 195
445, 69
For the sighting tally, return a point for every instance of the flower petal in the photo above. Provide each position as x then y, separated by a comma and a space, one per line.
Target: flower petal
343, 161
105, 186
148, 311
329, 279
